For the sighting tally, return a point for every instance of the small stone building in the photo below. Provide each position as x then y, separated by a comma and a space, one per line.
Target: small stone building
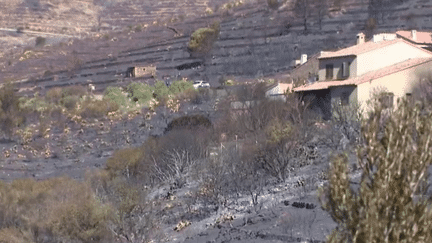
141, 71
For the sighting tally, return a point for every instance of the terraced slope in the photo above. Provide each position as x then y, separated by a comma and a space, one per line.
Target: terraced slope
254, 41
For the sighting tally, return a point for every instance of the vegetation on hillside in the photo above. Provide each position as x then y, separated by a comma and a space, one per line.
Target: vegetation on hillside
18, 115
201, 41
253, 144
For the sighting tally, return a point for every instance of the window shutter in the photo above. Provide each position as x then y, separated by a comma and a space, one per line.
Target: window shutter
345, 69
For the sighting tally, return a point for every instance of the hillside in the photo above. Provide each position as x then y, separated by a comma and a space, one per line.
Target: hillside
221, 174
254, 41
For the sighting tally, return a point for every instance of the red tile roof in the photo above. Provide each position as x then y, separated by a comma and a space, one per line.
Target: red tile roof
422, 37
366, 77
363, 48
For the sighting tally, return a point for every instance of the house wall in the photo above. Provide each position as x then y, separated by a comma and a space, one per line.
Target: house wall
279, 89
399, 84
337, 92
387, 56
300, 74
144, 71
337, 67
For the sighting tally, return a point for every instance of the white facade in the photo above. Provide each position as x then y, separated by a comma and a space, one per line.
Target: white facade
387, 56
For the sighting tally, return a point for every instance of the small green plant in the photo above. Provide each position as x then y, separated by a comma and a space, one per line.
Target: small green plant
75, 90
181, 87
116, 95
273, 4
10, 113
124, 162
201, 41
138, 28
394, 160
161, 91
140, 92
69, 102
54, 95
189, 122
54, 208
97, 108
40, 41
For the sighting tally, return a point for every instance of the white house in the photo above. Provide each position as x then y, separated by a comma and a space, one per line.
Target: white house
278, 90
354, 74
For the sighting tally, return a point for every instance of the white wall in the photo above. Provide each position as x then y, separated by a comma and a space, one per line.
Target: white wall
399, 84
387, 56
337, 67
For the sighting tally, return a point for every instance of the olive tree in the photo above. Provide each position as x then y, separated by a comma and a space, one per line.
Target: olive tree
394, 163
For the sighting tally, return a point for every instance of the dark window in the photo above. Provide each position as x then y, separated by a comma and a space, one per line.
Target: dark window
344, 98
345, 69
409, 97
387, 100
329, 71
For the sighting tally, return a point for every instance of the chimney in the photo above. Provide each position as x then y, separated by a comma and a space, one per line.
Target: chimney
303, 59
360, 38
414, 34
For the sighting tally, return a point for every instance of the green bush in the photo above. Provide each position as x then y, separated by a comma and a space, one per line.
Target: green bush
180, 86
34, 211
97, 108
10, 113
40, 41
140, 92
389, 206
201, 41
69, 102
124, 161
161, 91
75, 90
37, 103
274, 4
116, 95
54, 95
189, 122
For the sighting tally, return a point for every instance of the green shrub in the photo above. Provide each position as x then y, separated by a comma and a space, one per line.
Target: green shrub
189, 122
69, 102
37, 103
161, 91
140, 92
97, 108
10, 113
54, 95
124, 161
116, 95
394, 161
274, 4
40, 41
54, 208
75, 90
180, 86
201, 41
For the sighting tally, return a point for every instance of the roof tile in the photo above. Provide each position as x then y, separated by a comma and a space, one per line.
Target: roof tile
422, 37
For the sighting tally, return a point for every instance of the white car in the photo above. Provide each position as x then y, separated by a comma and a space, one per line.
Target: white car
201, 84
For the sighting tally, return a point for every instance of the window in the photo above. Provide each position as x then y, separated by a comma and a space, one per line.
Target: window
329, 71
386, 100
409, 97
345, 69
344, 98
